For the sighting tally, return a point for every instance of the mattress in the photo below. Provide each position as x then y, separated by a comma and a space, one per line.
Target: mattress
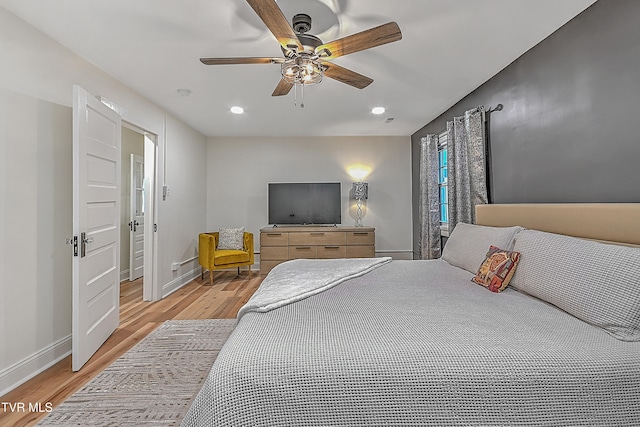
417, 343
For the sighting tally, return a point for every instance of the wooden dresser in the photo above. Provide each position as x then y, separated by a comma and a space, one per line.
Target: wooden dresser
279, 244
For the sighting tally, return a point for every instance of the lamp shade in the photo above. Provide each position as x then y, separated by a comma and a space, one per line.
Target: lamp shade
360, 190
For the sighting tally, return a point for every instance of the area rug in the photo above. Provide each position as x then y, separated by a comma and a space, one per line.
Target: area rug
154, 383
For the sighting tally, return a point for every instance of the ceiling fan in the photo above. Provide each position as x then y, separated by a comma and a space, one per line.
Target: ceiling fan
306, 57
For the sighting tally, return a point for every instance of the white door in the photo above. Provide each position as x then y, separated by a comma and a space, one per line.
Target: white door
96, 225
136, 225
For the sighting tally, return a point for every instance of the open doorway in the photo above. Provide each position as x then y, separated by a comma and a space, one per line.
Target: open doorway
138, 156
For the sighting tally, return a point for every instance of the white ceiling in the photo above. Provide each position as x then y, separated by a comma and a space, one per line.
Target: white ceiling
449, 48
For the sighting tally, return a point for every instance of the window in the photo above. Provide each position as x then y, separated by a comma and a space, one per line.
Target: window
442, 179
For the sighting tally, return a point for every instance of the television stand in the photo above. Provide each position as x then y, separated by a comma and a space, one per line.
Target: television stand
283, 243
306, 225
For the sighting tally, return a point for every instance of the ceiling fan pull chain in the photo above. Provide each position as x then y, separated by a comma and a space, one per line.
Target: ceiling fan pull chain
302, 95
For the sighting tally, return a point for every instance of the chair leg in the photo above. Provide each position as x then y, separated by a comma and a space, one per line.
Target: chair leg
238, 271
211, 277
249, 272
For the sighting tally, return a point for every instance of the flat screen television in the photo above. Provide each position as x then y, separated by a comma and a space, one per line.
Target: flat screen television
305, 203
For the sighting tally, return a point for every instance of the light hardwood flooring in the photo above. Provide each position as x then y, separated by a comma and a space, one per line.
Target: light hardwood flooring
196, 300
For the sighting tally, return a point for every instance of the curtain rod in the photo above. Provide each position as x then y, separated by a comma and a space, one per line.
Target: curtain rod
496, 108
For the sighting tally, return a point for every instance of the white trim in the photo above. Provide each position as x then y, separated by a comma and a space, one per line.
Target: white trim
183, 262
22, 371
124, 275
180, 281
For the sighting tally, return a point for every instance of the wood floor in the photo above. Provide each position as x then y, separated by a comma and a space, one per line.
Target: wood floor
196, 300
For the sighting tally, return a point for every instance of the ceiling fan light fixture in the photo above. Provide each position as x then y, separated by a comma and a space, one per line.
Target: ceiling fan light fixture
291, 71
302, 69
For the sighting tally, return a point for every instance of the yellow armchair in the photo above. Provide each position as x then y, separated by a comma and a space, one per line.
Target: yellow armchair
211, 258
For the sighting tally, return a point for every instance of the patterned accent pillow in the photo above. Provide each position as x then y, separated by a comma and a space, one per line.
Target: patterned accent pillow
497, 269
231, 238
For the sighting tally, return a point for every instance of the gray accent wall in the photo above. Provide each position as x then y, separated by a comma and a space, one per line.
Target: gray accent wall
570, 128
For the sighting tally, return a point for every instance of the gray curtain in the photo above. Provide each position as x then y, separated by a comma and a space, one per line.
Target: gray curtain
429, 209
467, 183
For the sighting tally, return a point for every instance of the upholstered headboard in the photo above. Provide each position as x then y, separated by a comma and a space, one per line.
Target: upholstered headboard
609, 222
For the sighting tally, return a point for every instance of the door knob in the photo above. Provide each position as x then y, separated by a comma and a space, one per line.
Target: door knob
84, 241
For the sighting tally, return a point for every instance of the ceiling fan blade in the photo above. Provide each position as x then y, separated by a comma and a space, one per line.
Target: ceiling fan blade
275, 21
367, 39
248, 60
283, 88
347, 76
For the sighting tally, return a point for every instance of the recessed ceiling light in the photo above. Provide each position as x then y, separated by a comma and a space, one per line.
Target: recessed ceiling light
237, 110
378, 110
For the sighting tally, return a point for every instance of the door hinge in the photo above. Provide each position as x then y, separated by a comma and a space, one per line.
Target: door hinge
74, 242
155, 227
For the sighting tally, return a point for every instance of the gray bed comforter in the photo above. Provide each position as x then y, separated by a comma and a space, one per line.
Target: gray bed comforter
416, 343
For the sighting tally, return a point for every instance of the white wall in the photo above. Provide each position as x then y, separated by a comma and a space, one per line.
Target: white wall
35, 192
35, 218
239, 169
182, 216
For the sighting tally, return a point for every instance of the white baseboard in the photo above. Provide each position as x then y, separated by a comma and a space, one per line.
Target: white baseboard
124, 275
180, 281
24, 370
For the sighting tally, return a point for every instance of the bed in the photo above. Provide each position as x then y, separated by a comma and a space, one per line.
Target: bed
402, 343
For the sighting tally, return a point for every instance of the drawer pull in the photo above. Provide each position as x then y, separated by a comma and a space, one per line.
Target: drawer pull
274, 234
317, 234
332, 247
303, 247
360, 233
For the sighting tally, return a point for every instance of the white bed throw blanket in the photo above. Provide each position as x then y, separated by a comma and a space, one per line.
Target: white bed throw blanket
299, 279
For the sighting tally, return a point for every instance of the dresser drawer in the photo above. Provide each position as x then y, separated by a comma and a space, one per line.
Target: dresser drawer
361, 237
278, 244
274, 253
266, 266
302, 251
317, 238
274, 239
328, 252
361, 251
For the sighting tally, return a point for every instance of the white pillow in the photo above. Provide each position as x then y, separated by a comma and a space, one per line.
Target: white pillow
596, 282
231, 238
468, 244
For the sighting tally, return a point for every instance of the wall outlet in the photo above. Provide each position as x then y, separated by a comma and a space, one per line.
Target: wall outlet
175, 266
